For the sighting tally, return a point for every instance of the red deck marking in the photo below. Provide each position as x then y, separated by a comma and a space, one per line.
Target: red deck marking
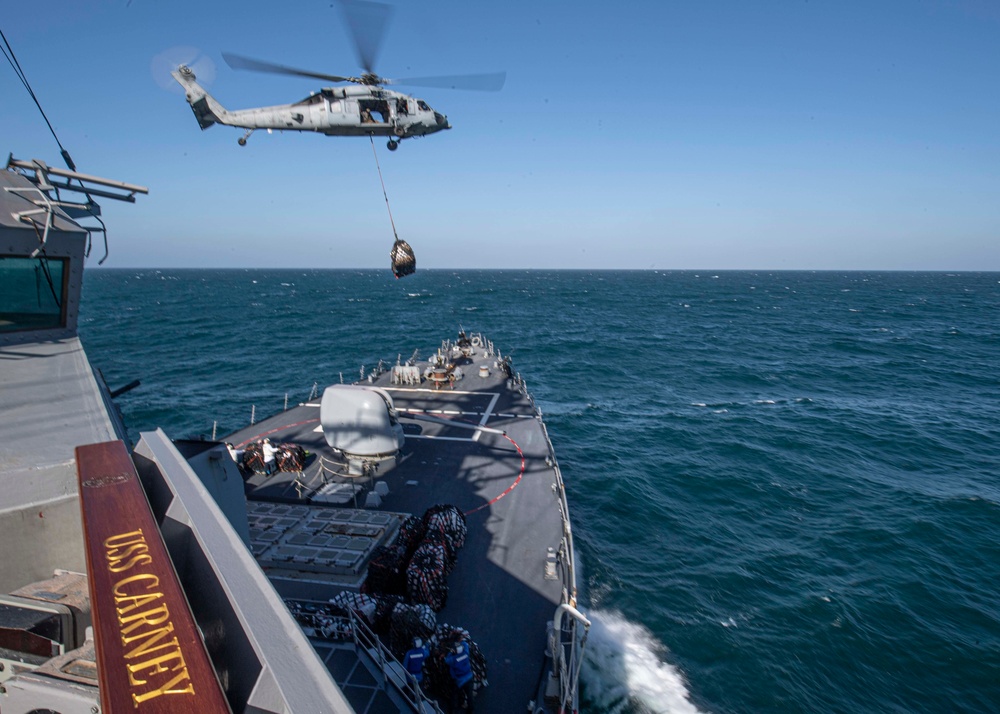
150, 655
274, 431
509, 488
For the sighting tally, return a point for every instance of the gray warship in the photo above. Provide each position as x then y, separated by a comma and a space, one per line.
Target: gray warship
308, 550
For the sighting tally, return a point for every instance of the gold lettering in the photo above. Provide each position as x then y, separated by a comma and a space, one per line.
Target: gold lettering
115, 542
152, 637
120, 553
137, 601
125, 551
135, 578
140, 600
138, 699
121, 546
156, 663
137, 560
154, 617
142, 557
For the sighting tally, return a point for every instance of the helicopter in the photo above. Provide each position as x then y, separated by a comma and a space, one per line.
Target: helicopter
365, 109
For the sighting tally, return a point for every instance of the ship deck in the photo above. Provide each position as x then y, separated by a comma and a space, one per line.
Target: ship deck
478, 444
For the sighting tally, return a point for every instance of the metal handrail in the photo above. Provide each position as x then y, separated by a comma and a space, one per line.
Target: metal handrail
44, 205
409, 688
569, 672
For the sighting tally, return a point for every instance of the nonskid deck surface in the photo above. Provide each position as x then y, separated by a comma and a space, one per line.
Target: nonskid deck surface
503, 482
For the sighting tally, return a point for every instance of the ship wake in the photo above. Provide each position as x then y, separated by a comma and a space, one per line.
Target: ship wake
624, 671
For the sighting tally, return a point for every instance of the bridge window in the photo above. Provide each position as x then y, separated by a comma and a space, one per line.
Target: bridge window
32, 293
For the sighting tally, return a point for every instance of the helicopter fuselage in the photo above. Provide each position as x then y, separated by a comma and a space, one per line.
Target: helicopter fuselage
347, 111
334, 111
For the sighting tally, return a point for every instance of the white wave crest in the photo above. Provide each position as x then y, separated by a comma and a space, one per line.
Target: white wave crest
623, 670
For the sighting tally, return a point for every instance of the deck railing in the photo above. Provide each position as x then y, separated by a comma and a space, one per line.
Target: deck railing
368, 644
568, 642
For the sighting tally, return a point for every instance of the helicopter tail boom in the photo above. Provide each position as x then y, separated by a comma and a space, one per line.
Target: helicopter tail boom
206, 110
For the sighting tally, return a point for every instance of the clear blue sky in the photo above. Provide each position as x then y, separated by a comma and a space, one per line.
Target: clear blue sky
670, 134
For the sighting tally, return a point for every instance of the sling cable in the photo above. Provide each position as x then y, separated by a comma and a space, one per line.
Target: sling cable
404, 262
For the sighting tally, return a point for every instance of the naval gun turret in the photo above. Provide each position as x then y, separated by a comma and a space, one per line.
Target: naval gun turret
361, 423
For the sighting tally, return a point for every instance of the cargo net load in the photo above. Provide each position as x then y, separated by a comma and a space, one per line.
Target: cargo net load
404, 262
405, 588
438, 681
287, 457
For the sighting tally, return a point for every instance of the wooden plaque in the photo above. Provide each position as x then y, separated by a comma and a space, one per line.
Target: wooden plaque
150, 655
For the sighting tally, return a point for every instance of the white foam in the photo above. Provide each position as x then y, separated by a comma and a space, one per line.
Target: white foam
623, 669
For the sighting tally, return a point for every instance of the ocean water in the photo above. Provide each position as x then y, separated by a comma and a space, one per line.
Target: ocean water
785, 486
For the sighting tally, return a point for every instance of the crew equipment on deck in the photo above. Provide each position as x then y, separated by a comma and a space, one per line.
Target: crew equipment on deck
290, 457
385, 570
407, 622
440, 682
253, 457
427, 576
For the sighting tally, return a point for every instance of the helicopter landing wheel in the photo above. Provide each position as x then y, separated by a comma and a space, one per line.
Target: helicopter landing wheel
242, 141
392, 144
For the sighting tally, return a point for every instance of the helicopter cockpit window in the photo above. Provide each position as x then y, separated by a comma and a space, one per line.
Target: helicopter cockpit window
32, 293
423, 105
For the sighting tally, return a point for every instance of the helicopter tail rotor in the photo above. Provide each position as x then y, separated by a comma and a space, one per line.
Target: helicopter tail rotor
206, 109
166, 62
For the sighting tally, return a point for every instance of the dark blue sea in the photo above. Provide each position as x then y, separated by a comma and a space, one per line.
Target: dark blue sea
785, 486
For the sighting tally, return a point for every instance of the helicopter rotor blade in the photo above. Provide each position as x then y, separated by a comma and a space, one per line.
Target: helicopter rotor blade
367, 22
170, 59
246, 63
490, 82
